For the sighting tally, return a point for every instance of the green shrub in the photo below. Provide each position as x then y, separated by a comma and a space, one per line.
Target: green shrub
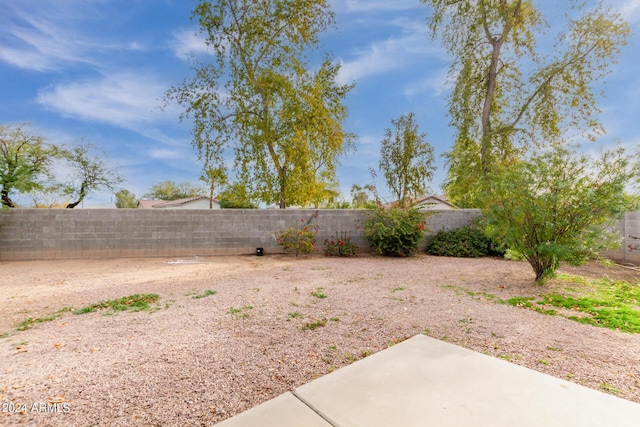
299, 240
465, 242
395, 231
340, 244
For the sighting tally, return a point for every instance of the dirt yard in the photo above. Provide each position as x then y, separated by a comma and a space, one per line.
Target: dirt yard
274, 323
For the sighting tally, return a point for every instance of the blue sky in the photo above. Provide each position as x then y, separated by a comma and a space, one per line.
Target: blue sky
99, 69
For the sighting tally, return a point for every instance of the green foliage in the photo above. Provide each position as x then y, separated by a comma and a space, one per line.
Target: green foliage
603, 302
469, 242
406, 159
89, 173
241, 313
600, 302
362, 195
319, 293
205, 294
300, 239
135, 302
126, 200
260, 99
169, 190
31, 321
235, 196
394, 231
555, 207
341, 245
508, 94
25, 162
310, 326
212, 176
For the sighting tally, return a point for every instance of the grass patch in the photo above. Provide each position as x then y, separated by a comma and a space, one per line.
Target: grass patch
613, 304
319, 293
205, 294
310, 326
241, 313
32, 321
608, 303
295, 315
135, 302
609, 388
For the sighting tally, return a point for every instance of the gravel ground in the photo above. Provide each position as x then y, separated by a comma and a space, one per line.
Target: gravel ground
197, 361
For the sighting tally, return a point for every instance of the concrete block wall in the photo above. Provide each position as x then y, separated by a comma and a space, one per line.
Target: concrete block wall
96, 233
629, 229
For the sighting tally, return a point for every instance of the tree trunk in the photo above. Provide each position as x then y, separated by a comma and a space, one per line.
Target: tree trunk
81, 195
6, 200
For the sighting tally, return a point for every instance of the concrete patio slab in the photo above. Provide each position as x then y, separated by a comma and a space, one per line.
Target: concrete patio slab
426, 382
282, 411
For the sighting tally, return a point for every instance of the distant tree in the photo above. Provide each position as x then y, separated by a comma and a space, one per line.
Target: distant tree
235, 196
126, 200
555, 206
212, 176
259, 97
25, 162
360, 196
89, 173
406, 159
509, 95
49, 197
169, 190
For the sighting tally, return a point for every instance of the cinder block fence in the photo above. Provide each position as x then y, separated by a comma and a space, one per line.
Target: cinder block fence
97, 233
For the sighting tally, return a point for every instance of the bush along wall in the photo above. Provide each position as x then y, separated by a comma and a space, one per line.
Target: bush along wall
465, 242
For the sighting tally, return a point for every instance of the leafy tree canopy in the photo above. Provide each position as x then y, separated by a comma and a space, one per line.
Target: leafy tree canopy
556, 205
235, 196
406, 159
126, 199
510, 94
283, 122
89, 173
25, 161
169, 190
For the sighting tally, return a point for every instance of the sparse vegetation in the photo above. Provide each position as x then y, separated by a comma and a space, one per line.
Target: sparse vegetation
240, 313
319, 293
136, 302
295, 315
206, 293
613, 304
310, 326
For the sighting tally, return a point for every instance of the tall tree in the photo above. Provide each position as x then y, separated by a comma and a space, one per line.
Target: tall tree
235, 196
25, 160
283, 121
406, 159
89, 173
169, 190
126, 199
360, 195
509, 96
212, 176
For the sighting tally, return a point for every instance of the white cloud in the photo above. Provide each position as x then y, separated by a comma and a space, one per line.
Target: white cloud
166, 154
385, 56
436, 84
187, 43
373, 5
127, 100
630, 10
29, 40
51, 35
